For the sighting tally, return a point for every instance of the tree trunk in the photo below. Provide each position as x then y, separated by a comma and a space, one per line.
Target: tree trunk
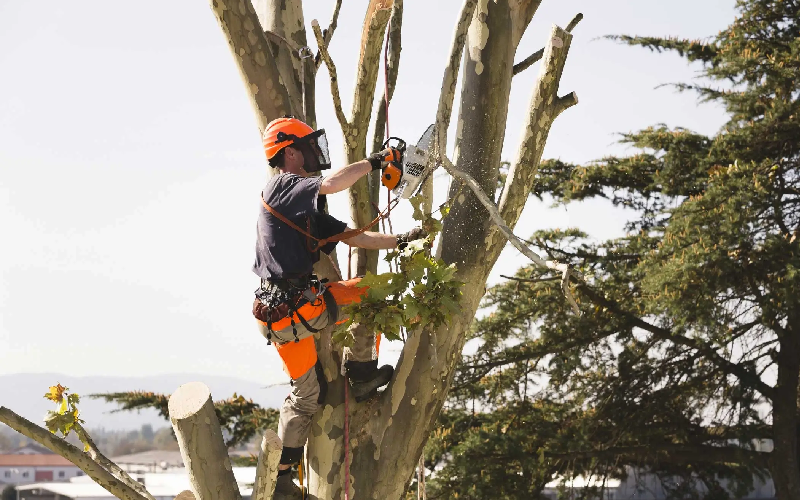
199, 436
784, 464
387, 434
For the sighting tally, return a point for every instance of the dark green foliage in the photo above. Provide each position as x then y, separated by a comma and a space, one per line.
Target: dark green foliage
240, 418
9, 493
671, 367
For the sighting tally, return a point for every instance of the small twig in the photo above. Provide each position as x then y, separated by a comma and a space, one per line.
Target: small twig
531, 59
337, 100
494, 213
329, 32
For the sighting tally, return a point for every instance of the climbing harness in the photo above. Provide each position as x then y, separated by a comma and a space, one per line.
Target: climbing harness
285, 298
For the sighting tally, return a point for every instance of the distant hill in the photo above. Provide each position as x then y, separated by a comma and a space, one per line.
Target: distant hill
23, 393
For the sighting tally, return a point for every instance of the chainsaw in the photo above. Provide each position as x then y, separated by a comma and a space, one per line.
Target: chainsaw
407, 170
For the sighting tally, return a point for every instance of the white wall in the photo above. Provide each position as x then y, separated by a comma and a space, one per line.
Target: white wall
27, 475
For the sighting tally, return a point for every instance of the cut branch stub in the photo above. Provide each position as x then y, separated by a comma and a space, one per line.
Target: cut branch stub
199, 436
251, 52
545, 106
269, 457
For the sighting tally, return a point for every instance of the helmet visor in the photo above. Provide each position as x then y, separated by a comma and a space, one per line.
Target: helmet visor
315, 151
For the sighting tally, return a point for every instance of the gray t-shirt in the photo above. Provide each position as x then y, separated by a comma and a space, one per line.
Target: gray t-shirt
281, 251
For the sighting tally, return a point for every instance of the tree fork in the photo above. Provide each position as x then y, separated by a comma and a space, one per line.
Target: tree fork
254, 60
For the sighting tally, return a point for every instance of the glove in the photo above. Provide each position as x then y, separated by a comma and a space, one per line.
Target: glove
415, 234
381, 158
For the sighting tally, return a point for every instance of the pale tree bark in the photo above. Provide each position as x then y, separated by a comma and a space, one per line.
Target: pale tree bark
387, 433
269, 457
199, 436
784, 464
361, 210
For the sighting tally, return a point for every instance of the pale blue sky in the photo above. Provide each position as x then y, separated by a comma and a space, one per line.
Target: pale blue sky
130, 165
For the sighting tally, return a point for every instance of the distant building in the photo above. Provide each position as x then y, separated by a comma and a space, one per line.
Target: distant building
150, 461
162, 485
31, 449
33, 468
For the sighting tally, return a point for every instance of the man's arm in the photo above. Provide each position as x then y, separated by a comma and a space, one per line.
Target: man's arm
372, 240
379, 241
344, 178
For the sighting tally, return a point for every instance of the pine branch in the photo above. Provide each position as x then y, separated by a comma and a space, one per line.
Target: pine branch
693, 50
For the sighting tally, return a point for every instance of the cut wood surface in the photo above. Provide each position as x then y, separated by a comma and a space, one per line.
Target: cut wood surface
267, 469
199, 435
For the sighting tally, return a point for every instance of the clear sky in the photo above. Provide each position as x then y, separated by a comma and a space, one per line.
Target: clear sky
130, 165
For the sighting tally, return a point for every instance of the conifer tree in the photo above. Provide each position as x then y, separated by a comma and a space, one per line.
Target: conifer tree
688, 350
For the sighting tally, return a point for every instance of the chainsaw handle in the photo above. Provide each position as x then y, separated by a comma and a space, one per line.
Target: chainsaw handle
400, 144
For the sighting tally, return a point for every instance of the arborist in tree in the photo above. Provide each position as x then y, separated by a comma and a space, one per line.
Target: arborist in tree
292, 304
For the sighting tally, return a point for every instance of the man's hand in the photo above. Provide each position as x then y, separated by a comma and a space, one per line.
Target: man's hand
415, 234
380, 159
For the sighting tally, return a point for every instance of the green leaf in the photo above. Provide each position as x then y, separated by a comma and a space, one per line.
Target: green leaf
416, 202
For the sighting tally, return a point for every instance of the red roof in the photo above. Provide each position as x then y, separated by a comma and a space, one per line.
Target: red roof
34, 461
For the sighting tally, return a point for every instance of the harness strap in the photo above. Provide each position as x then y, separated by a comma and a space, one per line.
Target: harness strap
337, 237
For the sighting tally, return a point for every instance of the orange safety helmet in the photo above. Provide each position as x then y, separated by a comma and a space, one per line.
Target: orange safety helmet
289, 130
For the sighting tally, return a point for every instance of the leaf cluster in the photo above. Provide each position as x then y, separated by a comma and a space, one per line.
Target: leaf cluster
423, 291
65, 418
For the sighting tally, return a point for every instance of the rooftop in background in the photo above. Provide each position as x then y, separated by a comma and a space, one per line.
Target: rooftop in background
31, 449
161, 486
51, 460
170, 458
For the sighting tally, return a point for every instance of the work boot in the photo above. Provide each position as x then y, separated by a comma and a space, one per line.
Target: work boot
285, 489
365, 377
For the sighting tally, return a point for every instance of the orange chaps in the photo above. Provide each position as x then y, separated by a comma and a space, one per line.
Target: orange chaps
299, 357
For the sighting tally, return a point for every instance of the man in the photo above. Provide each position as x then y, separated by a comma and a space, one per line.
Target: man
292, 304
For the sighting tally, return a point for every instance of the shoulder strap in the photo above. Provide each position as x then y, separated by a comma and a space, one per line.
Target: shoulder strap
324, 241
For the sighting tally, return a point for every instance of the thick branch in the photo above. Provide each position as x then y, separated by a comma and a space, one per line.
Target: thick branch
522, 14
337, 100
543, 111
450, 78
110, 466
378, 12
57, 445
393, 66
512, 238
531, 59
256, 65
328, 33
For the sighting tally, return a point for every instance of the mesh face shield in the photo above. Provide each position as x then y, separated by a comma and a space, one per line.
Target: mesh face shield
315, 151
